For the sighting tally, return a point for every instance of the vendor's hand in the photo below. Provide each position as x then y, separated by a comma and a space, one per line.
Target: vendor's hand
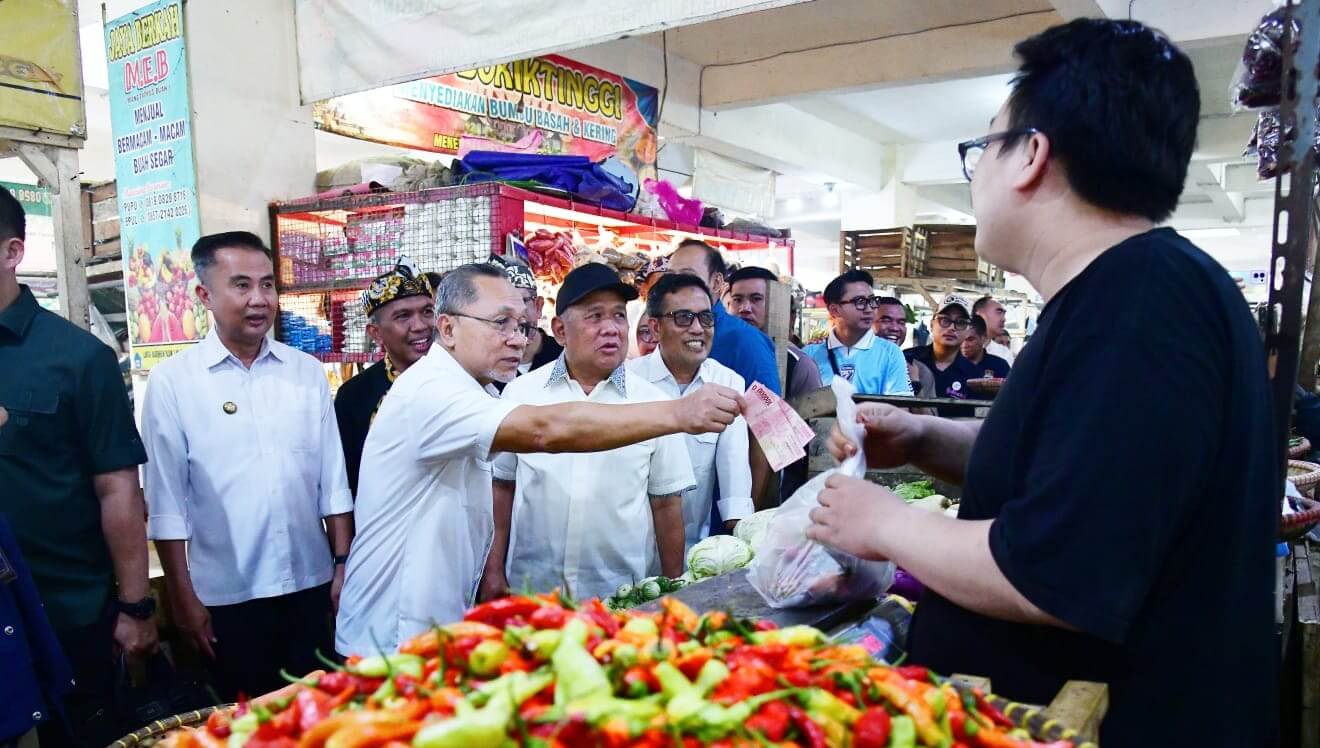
134, 638
729, 524
194, 621
709, 409
493, 586
851, 516
336, 586
892, 436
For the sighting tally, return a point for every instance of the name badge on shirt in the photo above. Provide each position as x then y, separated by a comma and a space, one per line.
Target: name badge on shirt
846, 371
7, 573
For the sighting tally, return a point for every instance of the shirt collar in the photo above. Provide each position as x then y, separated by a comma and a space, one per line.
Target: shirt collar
655, 370
864, 344
214, 352
17, 318
618, 377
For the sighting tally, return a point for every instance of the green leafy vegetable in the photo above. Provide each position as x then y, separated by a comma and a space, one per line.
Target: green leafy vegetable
914, 490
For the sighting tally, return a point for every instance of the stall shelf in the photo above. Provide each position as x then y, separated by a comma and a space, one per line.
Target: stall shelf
328, 249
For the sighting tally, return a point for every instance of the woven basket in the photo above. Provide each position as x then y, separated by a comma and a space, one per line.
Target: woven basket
1304, 475
1300, 451
1295, 526
1029, 718
154, 732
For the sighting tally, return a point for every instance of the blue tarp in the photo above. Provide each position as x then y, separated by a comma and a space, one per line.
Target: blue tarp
576, 175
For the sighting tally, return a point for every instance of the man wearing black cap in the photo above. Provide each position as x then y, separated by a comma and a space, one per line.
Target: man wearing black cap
425, 513
400, 307
944, 356
590, 522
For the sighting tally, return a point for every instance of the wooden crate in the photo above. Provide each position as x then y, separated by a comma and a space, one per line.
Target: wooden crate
884, 253
100, 220
951, 253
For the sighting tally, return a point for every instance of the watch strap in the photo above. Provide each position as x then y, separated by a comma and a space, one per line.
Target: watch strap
142, 609
341, 560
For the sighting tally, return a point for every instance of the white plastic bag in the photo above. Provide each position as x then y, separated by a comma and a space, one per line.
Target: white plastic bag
789, 569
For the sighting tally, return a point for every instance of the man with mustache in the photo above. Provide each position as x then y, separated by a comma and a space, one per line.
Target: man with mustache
679, 314
400, 307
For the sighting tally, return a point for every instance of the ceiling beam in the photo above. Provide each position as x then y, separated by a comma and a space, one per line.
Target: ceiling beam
1071, 9
1207, 181
973, 49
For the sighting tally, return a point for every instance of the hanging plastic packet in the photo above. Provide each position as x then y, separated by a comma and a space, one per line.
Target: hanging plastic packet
789, 569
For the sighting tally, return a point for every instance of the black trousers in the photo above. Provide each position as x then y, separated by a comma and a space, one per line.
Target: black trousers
89, 707
258, 638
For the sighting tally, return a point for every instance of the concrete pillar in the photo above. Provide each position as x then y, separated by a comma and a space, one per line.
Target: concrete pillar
253, 140
895, 204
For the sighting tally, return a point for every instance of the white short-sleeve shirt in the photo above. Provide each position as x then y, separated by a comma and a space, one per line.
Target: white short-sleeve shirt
424, 506
244, 462
717, 459
583, 521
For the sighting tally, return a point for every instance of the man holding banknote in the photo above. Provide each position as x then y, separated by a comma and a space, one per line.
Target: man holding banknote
678, 311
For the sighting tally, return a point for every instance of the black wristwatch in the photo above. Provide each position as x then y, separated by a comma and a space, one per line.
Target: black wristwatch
142, 609
341, 560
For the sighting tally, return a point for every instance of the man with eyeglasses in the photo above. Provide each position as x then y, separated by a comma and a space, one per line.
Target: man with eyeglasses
1099, 522
873, 365
590, 522
679, 313
943, 357
425, 511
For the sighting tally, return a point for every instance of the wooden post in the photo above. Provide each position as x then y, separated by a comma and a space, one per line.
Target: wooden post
778, 325
1310, 356
57, 169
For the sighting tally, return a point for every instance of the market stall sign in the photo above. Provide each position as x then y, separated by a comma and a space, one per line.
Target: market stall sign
548, 105
36, 201
157, 179
41, 86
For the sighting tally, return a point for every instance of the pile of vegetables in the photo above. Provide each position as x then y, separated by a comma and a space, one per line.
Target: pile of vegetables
539, 671
651, 588
921, 493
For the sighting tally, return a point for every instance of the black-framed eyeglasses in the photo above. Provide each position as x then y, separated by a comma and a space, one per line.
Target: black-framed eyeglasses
683, 318
945, 320
508, 326
862, 302
971, 151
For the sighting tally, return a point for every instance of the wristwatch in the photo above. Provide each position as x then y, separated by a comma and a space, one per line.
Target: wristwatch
142, 609
341, 560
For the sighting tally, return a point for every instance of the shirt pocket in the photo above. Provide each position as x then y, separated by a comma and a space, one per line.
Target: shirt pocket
33, 418
701, 449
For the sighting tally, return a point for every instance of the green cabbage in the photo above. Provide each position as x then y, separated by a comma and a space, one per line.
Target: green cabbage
718, 554
751, 530
919, 489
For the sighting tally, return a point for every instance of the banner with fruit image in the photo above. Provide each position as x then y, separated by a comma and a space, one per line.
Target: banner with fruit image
157, 180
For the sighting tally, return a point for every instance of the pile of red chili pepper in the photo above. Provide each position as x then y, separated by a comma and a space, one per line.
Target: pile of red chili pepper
541, 671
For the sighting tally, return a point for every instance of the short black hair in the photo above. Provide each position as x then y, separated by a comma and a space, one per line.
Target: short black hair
891, 301
834, 291
1119, 104
981, 304
204, 249
669, 284
978, 325
13, 220
714, 260
752, 273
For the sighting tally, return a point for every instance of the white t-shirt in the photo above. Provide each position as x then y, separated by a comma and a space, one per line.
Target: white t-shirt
424, 507
583, 521
996, 348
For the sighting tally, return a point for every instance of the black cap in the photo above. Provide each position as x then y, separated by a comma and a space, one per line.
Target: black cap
588, 279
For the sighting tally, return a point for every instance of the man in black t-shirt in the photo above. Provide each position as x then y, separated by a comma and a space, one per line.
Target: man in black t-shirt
943, 357
400, 308
973, 349
1107, 532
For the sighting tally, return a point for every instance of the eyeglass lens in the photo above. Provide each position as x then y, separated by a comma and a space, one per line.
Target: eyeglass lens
684, 318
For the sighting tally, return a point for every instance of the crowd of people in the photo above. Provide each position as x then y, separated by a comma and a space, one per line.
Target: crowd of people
1089, 542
